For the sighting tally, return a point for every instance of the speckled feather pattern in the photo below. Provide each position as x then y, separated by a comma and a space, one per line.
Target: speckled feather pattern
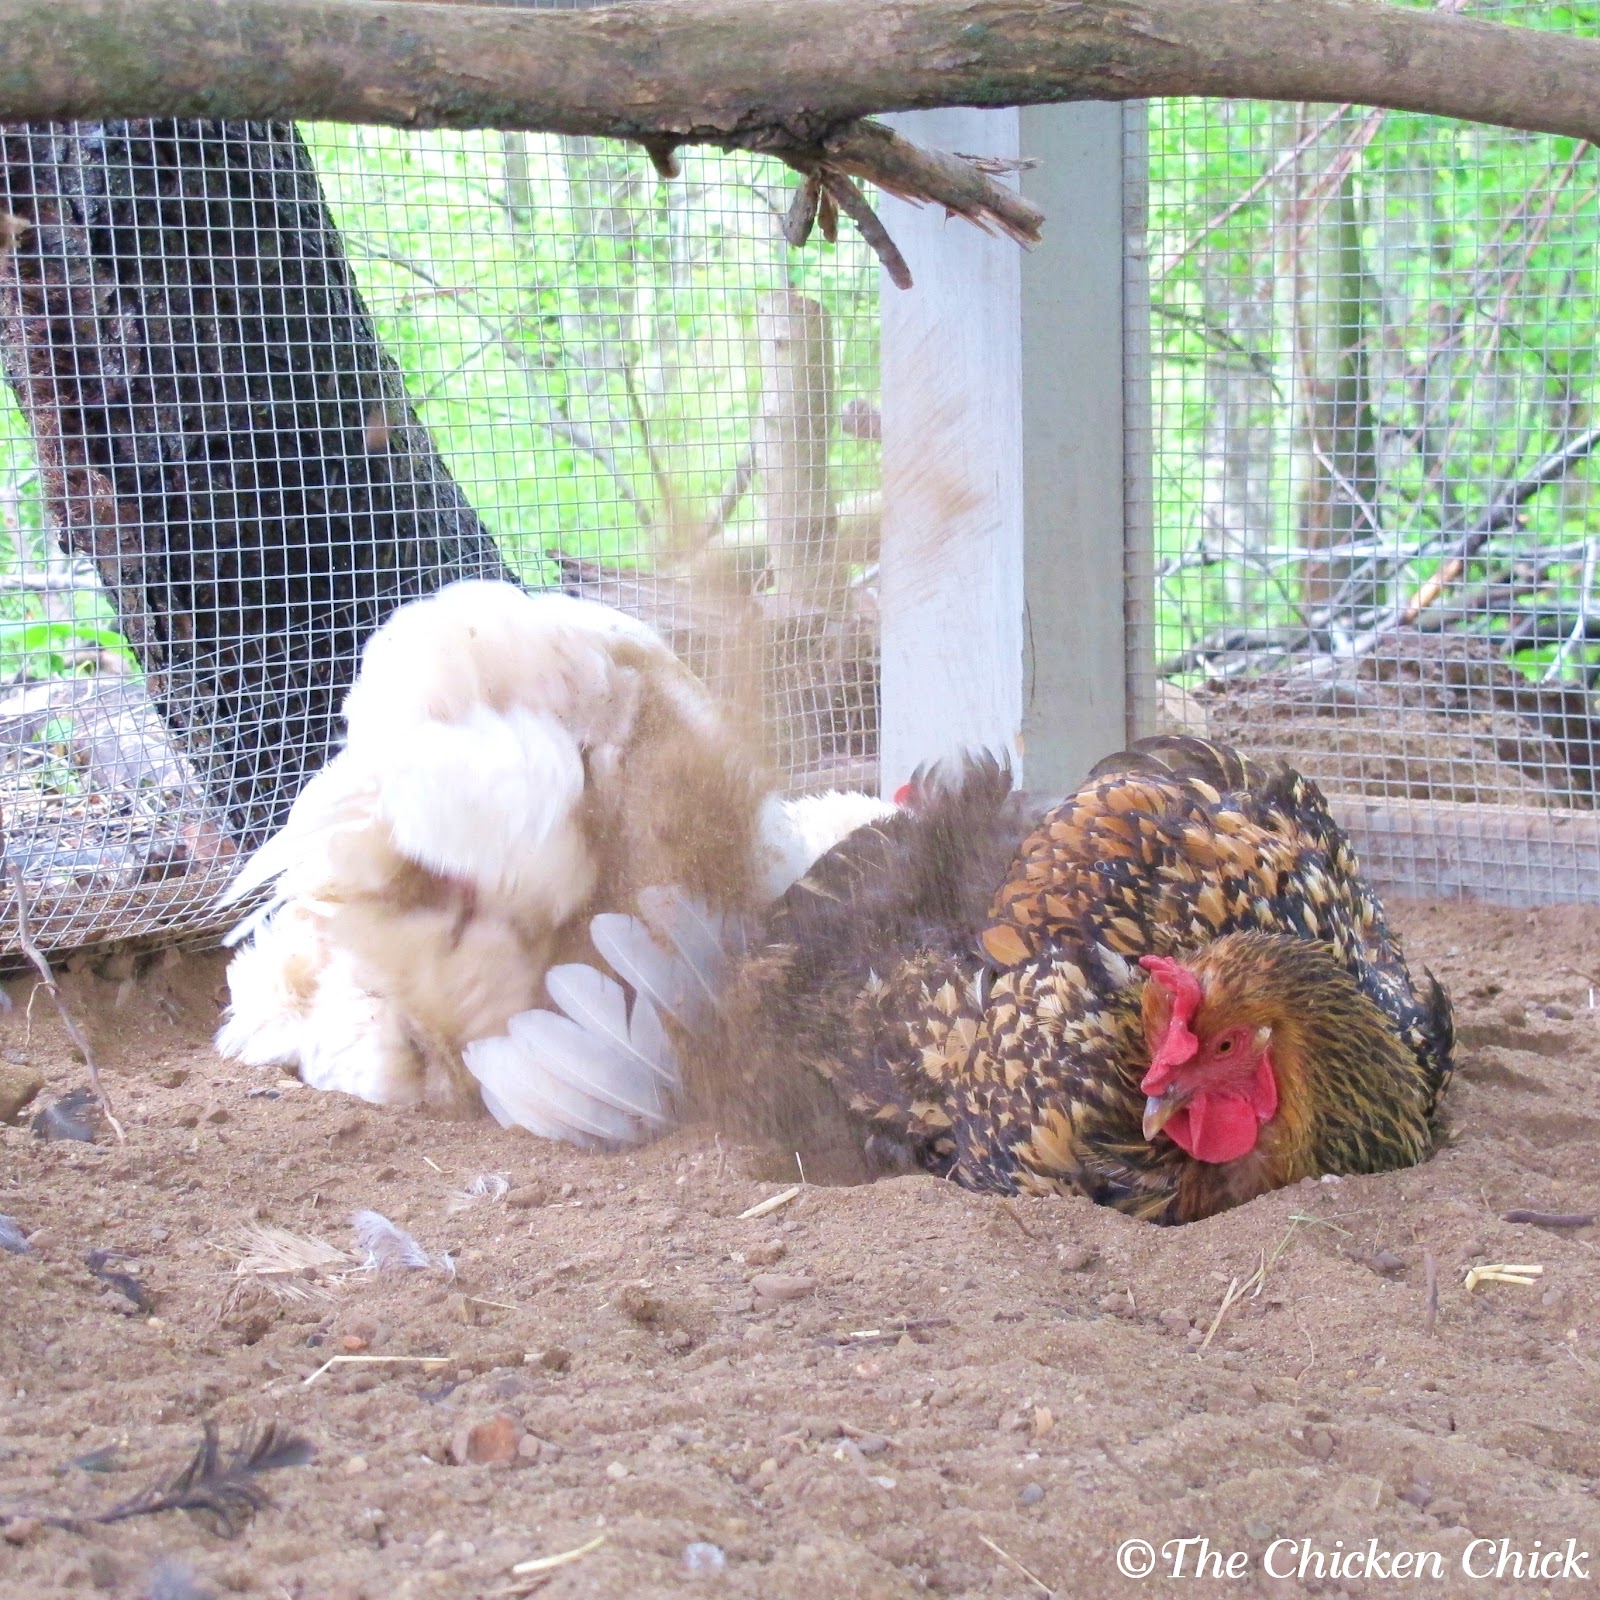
1004, 1049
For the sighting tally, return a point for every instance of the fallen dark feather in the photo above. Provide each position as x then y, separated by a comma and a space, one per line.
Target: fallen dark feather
98, 1263
102, 1460
223, 1489
70, 1117
1552, 1219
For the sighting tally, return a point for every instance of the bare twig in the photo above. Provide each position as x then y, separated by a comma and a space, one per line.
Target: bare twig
771, 1203
1012, 1562
1580, 626
828, 218
744, 473
961, 184
1276, 170
1430, 1304
802, 214
1552, 1219
564, 1559
1500, 514
345, 1361
47, 978
850, 200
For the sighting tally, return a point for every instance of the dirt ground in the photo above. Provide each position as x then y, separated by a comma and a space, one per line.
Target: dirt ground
872, 1392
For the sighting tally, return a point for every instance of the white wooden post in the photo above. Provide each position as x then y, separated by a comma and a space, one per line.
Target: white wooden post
1003, 458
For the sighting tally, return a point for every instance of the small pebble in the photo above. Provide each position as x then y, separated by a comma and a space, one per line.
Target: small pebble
1032, 1494
486, 1443
702, 1560
12, 1237
616, 1472
18, 1085
355, 1465
1418, 1495
637, 1304
774, 1288
1074, 1257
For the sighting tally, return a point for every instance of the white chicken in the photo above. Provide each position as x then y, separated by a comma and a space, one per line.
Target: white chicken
515, 767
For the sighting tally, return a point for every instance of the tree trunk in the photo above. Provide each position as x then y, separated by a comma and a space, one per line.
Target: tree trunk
1336, 474
219, 429
793, 432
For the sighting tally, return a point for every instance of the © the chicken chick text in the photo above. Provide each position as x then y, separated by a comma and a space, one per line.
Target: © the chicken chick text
1198, 1557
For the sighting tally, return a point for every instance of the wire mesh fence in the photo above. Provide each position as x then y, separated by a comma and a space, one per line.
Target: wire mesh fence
265, 384
1372, 398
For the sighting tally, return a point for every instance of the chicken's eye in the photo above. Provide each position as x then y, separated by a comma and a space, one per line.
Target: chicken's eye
1224, 1046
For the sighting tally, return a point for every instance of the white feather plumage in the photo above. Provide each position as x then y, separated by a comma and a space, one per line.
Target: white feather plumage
497, 745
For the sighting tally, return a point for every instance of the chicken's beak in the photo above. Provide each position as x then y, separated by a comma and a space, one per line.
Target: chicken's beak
1160, 1109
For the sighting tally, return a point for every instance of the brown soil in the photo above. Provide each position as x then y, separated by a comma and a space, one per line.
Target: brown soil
1051, 1397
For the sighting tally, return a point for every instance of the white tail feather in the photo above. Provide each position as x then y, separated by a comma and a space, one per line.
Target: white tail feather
496, 1057
707, 940
526, 1077
660, 975
599, 1005
606, 1069
605, 1081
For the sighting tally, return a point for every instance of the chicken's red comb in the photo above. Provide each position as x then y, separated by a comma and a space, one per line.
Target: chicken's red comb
1179, 1045
907, 795
1179, 982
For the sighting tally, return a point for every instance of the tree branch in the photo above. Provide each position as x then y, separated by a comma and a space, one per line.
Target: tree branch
790, 77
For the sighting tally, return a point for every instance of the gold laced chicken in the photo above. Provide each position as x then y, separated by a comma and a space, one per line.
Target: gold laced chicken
1171, 992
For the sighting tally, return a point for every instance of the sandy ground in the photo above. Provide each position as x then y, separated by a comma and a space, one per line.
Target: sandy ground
866, 1392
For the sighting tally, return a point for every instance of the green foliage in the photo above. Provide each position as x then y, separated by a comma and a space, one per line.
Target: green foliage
1480, 293
560, 313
